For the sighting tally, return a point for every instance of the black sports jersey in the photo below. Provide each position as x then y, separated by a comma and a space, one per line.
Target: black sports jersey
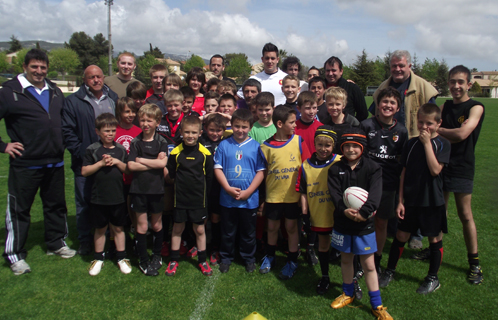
420, 188
384, 146
107, 182
348, 122
149, 181
214, 191
462, 160
170, 129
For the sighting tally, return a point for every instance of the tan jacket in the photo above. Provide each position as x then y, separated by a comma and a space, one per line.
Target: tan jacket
419, 92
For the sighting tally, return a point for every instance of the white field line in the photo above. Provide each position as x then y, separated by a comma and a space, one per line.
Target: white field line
203, 302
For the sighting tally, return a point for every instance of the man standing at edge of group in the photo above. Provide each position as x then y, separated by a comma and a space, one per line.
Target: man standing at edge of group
271, 76
355, 105
217, 66
119, 82
78, 126
31, 106
414, 90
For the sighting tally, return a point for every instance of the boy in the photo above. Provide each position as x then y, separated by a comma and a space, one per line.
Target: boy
317, 85
353, 232
188, 101
157, 74
212, 84
172, 81
316, 203
336, 99
137, 91
421, 188
462, 121
147, 161
263, 128
226, 87
211, 102
170, 122
239, 168
291, 88
385, 140
104, 163
250, 89
227, 107
284, 153
190, 164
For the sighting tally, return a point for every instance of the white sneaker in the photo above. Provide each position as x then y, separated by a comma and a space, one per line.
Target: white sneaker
64, 252
20, 267
124, 266
95, 267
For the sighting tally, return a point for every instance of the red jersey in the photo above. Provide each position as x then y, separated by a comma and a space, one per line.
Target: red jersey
124, 137
307, 132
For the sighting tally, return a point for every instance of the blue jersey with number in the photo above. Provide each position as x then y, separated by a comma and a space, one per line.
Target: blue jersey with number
240, 163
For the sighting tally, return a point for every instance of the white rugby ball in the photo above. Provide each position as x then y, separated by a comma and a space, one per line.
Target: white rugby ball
355, 197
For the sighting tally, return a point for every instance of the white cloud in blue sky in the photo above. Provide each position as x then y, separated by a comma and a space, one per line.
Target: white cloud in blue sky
459, 31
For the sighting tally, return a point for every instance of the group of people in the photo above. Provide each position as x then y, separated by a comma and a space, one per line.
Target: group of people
264, 158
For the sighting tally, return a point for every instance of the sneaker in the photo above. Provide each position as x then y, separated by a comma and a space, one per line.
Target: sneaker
266, 265
224, 267
475, 274
415, 244
171, 269
311, 256
64, 252
386, 277
288, 270
192, 253
205, 268
381, 313
250, 267
85, 249
430, 284
156, 262
323, 286
214, 258
341, 301
358, 294
95, 267
165, 249
124, 266
183, 247
20, 267
148, 269
421, 255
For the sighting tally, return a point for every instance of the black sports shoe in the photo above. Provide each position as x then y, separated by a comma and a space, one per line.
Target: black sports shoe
475, 274
224, 267
386, 277
431, 284
323, 286
250, 267
334, 255
421, 255
357, 290
85, 249
311, 256
156, 262
148, 270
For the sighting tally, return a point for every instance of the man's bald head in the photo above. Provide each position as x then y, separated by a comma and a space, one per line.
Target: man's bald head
94, 79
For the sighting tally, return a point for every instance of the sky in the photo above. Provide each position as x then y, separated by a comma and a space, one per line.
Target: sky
459, 31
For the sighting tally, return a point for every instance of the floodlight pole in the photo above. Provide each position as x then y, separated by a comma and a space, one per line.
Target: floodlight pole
109, 3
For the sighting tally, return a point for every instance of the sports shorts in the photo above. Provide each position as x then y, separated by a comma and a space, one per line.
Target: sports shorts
101, 215
457, 185
359, 245
196, 216
147, 203
277, 211
430, 220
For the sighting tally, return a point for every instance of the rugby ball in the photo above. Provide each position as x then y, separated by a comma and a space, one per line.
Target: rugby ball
355, 197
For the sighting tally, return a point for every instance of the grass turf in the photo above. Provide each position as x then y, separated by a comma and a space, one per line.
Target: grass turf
59, 288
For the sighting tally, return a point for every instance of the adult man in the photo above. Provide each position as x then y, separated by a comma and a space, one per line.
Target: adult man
217, 66
119, 82
356, 105
31, 107
78, 126
414, 90
250, 90
271, 76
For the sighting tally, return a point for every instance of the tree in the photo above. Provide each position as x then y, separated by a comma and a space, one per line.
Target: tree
4, 64
475, 90
15, 44
101, 46
144, 64
282, 54
387, 64
156, 52
89, 49
63, 60
104, 64
429, 69
442, 78
415, 65
18, 61
363, 72
237, 66
193, 61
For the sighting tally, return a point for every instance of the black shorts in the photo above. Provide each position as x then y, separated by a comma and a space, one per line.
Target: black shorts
101, 215
275, 211
457, 185
126, 191
386, 208
147, 203
196, 216
430, 220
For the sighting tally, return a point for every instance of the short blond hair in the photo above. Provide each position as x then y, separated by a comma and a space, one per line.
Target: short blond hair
173, 95
337, 93
150, 110
127, 54
290, 78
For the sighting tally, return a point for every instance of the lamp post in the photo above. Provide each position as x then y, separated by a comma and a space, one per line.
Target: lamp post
109, 3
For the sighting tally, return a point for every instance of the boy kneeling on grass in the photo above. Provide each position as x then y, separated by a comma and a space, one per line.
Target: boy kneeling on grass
104, 164
354, 232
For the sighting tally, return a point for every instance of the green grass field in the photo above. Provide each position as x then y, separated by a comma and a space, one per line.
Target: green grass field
62, 289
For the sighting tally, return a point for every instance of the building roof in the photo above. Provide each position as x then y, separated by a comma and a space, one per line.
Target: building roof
486, 83
489, 73
169, 62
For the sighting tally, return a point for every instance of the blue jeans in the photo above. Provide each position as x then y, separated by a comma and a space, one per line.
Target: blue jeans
82, 194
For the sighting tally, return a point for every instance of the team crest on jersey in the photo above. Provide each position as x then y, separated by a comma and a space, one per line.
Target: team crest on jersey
280, 82
238, 155
292, 157
372, 134
461, 119
395, 137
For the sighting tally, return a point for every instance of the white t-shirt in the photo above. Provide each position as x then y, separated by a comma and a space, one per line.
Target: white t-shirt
270, 83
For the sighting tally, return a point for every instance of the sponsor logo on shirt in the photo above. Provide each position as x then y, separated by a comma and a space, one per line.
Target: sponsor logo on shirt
395, 137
